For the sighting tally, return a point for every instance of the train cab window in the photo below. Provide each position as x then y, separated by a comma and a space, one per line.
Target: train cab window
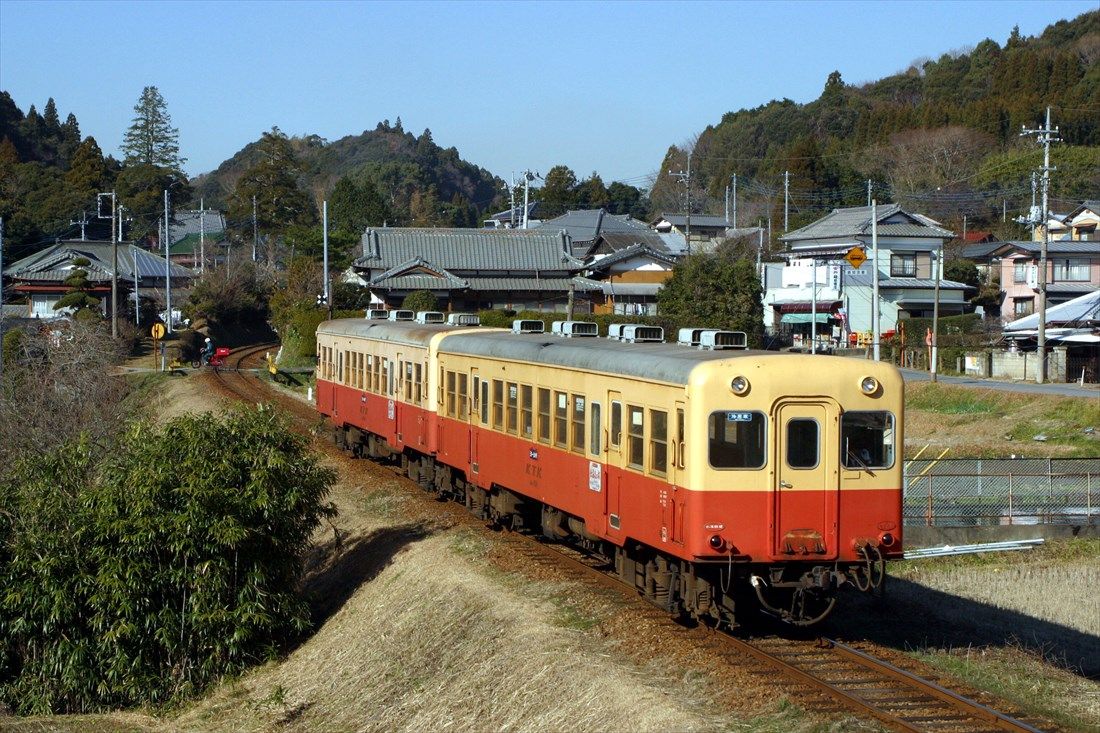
658, 442
867, 439
802, 443
736, 439
525, 411
635, 437
463, 396
418, 383
596, 429
544, 415
615, 434
511, 413
485, 402
561, 419
449, 401
577, 444
498, 404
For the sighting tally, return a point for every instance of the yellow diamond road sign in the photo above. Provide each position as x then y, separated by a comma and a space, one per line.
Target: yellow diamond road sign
855, 257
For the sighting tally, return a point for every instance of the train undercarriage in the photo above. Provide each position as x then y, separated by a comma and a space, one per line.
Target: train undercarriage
718, 592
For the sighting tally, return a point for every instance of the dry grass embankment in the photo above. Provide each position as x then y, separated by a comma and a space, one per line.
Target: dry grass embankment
975, 423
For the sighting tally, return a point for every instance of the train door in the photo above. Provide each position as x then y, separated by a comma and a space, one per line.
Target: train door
614, 462
479, 416
806, 489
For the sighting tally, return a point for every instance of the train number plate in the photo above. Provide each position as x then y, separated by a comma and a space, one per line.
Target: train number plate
738, 417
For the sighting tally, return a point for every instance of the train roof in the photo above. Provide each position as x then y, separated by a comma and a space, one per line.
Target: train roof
663, 362
401, 332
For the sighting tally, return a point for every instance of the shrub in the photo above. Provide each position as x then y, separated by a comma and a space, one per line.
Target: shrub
143, 574
420, 300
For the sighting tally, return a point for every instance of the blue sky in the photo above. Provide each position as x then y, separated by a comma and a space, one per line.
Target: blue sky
597, 86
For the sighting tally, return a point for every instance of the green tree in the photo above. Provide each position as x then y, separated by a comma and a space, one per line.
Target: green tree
558, 192
592, 194
151, 139
159, 581
356, 205
87, 175
420, 300
235, 293
719, 290
79, 297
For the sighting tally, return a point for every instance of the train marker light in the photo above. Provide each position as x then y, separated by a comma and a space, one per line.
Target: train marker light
887, 539
869, 385
716, 542
739, 385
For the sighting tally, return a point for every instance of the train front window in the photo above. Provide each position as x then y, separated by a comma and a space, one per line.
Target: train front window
736, 439
802, 443
867, 439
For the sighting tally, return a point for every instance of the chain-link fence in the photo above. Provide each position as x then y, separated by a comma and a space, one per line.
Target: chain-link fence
961, 492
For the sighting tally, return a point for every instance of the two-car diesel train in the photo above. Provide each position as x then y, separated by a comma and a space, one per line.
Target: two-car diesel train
715, 479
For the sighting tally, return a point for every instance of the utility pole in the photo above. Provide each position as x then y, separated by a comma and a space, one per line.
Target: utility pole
202, 236
727, 217
685, 178
82, 222
167, 265
734, 200
868, 191
964, 229
813, 310
786, 198
1, 291
876, 326
933, 365
528, 176
324, 239
512, 203
1045, 136
133, 259
114, 257
254, 230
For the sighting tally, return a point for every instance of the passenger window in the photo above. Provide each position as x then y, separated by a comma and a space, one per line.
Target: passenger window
867, 439
658, 441
635, 434
477, 396
595, 429
802, 443
513, 408
525, 408
544, 415
578, 424
498, 404
462, 396
616, 431
449, 403
418, 381
736, 439
408, 371
561, 419
485, 402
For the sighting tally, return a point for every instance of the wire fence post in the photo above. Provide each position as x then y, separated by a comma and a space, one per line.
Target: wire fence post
930, 511
1010, 498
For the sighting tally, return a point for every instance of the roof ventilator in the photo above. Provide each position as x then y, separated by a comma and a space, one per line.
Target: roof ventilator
575, 329
689, 336
429, 317
720, 340
463, 319
401, 315
377, 314
524, 326
636, 333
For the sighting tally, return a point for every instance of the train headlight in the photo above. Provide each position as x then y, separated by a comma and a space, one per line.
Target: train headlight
868, 385
716, 542
739, 385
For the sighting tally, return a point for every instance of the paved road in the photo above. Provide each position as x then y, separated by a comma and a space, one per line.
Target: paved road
1091, 391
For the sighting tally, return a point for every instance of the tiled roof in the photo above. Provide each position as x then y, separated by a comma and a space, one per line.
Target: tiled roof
52, 263
584, 225
701, 220
1070, 287
856, 222
637, 250
980, 251
462, 251
864, 277
487, 284
185, 222
653, 240
1056, 246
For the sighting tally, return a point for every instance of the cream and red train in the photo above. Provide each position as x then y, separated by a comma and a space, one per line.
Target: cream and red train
715, 479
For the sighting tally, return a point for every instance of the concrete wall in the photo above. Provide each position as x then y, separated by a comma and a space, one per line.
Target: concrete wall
914, 537
1024, 365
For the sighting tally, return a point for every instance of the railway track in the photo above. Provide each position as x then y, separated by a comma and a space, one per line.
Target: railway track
836, 676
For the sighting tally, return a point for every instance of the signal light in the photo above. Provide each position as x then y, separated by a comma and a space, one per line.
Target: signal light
716, 542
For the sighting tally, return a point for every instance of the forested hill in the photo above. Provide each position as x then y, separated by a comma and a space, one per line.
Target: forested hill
413, 174
941, 136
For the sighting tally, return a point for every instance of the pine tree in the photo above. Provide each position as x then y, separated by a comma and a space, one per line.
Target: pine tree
78, 298
151, 139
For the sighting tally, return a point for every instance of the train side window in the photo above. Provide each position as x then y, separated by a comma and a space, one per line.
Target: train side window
387, 377
680, 448
525, 411
512, 411
477, 396
635, 437
409, 384
802, 443
544, 415
498, 404
449, 402
362, 371
561, 419
485, 401
736, 439
595, 428
463, 396
616, 432
577, 444
867, 439
340, 366
418, 384
658, 442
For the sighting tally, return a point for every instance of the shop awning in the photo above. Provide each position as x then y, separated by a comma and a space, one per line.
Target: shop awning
804, 318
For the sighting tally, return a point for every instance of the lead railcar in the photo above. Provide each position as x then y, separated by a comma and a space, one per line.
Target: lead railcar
713, 478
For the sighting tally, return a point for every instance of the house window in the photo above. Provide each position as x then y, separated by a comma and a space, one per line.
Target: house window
903, 265
1019, 272
1022, 306
1071, 270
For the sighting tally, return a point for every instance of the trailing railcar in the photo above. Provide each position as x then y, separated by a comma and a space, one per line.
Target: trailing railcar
713, 479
